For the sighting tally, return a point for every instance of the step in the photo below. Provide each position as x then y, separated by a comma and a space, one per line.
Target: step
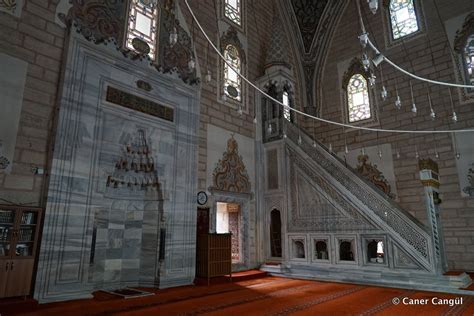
235, 277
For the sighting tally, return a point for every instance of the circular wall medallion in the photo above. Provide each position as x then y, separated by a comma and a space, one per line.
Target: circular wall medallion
140, 46
202, 198
232, 91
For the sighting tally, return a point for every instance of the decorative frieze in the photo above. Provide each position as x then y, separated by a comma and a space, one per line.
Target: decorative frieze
139, 104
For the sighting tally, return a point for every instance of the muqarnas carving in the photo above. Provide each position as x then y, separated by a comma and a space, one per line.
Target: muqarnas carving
470, 177
371, 173
230, 173
135, 168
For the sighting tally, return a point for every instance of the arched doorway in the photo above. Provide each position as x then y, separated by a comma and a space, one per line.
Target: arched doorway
275, 233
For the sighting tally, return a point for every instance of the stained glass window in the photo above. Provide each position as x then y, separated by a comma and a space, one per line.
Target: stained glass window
233, 11
403, 18
232, 81
286, 101
358, 99
468, 56
142, 23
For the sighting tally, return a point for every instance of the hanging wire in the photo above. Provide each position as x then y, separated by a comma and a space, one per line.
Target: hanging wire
377, 51
308, 115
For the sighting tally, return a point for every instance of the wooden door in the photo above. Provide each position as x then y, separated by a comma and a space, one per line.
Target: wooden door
275, 234
4, 269
19, 277
202, 221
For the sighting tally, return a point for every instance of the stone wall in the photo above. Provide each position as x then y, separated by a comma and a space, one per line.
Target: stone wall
258, 19
428, 55
34, 38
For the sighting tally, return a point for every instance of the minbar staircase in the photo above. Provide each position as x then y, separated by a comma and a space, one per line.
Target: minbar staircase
405, 232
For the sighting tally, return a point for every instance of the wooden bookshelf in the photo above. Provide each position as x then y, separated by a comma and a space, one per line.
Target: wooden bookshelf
19, 233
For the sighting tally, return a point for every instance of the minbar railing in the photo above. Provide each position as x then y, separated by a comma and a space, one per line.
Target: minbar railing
410, 232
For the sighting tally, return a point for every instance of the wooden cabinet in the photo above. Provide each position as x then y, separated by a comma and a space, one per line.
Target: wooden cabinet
214, 255
19, 232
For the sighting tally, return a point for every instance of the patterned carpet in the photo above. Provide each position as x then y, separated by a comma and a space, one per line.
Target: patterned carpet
264, 296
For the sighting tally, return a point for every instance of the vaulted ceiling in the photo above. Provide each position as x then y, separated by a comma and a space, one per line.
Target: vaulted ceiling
308, 14
311, 26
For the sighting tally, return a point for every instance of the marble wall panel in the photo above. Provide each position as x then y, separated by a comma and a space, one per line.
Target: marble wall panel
125, 221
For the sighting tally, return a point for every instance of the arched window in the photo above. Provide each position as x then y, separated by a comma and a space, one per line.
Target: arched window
232, 81
464, 47
142, 24
346, 251
358, 101
403, 19
286, 110
468, 58
233, 11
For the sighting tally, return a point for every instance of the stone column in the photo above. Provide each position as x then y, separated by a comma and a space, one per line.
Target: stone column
429, 176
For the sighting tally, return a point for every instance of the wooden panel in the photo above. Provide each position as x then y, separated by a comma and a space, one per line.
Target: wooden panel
214, 255
202, 221
19, 277
3, 276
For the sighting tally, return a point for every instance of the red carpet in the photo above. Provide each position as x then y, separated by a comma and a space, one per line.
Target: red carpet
264, 296
235, 277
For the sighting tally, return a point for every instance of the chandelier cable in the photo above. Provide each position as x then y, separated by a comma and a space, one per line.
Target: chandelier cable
306, 114
377, 51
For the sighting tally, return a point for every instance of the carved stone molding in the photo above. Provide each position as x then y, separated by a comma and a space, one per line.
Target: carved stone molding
462, 34
402, 260
402, 224
355, 67
230, 174
335, 212
470, 188
96, 20
231, 37
102, 21
12, 7
428, 164
175, 58
372, 173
